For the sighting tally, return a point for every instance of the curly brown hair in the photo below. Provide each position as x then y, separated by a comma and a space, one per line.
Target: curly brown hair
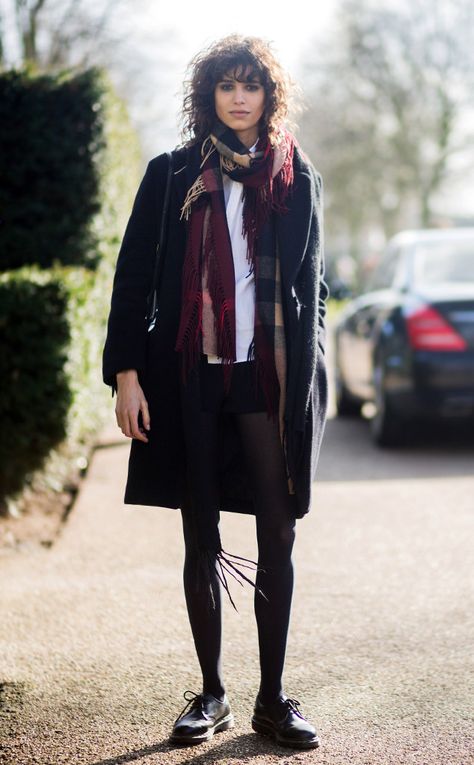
242, 57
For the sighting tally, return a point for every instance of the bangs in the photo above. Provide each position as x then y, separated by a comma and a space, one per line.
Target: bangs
239, 69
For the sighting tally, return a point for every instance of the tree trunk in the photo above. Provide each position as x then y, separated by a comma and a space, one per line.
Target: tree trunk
30, 53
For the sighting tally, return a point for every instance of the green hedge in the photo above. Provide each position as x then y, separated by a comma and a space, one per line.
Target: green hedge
53, 314
53, 135
34, 398
52, 400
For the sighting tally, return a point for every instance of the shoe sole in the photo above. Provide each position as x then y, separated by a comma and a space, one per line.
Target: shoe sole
225, 724
267, 729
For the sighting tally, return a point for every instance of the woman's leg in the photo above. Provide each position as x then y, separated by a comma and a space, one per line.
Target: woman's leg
205, 621
275, 535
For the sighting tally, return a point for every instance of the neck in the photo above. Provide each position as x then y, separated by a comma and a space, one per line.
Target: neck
247, 137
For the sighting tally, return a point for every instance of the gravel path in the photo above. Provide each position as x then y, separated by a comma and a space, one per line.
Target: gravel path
96, 651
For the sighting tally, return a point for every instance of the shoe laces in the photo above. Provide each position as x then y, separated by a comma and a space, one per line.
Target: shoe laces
194, 701
294, 706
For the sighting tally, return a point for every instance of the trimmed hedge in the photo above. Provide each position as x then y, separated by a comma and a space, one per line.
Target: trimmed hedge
53, 136
49, 135
52, 400
35, 398
53, 314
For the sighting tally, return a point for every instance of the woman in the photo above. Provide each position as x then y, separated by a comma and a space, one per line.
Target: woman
225, 400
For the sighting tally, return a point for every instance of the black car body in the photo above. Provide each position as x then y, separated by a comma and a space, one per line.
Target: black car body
407, 345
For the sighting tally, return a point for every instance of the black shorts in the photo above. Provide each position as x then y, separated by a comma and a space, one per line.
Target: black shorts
244, 395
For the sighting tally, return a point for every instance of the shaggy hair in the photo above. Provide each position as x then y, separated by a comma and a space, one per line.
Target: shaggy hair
234, 55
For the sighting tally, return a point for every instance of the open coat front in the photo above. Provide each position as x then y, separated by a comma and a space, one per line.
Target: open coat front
157, 469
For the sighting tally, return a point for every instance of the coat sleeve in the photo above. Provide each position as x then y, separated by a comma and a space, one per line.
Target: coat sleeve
125, 344
323, 292
320, 387
311, 292
314, 292
307, 385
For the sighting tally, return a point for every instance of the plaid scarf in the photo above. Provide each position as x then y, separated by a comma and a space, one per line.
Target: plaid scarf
207, 320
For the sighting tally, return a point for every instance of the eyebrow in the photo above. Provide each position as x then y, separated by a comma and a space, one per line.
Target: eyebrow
226, 78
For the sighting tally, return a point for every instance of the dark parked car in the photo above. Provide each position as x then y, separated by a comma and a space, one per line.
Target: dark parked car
407, 345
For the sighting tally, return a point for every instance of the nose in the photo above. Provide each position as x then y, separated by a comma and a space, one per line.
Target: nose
239, 97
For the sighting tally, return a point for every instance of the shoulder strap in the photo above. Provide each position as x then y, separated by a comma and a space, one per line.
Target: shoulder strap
159, 256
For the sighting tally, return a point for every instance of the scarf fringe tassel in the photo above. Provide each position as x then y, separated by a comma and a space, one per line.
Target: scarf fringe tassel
225, 564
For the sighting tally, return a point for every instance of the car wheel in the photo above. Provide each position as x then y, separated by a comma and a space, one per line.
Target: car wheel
346, 405
386, 426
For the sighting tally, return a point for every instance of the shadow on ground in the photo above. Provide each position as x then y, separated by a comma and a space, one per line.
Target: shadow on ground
245, 747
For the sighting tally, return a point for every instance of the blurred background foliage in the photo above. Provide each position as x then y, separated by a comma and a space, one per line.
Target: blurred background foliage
389, 123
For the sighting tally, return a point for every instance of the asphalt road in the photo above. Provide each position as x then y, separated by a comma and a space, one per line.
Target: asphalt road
96, 652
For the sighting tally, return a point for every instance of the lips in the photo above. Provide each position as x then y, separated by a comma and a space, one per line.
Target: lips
240, 114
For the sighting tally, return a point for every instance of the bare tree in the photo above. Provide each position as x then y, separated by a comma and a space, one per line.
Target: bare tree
2, 44
27, 12
51, 33
142, 60
389, 98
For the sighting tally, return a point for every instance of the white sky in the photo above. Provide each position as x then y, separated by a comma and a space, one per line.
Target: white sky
289, 25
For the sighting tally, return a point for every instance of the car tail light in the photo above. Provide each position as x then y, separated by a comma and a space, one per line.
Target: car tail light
429, 331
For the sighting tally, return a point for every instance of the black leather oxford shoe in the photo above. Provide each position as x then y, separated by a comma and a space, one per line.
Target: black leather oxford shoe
202, 716
283, 721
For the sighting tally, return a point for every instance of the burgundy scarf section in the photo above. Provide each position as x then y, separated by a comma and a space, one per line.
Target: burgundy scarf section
267, 179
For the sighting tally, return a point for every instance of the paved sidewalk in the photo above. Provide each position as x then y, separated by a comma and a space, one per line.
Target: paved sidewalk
95, 648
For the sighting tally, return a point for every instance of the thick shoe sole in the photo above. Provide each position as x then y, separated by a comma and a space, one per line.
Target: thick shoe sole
265, 728
225, 724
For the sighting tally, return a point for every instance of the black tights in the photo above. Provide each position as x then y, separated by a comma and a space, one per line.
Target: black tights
275, 536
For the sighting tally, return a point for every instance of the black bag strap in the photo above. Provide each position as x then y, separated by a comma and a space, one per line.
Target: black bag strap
160, 246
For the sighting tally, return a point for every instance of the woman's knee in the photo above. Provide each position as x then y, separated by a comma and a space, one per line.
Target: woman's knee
276, 539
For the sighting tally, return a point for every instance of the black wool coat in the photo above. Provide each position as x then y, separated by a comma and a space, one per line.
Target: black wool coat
157, 469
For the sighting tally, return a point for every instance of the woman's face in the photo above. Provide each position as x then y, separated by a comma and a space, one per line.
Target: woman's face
240, 105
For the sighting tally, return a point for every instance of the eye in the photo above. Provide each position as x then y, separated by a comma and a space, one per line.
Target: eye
252, 86
226, 86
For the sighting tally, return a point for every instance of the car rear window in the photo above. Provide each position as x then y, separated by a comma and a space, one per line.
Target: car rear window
441, 262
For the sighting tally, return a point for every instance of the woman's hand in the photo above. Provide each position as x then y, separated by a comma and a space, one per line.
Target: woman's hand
131, 401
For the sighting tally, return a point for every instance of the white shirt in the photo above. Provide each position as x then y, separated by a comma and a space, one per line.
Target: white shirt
244, 280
